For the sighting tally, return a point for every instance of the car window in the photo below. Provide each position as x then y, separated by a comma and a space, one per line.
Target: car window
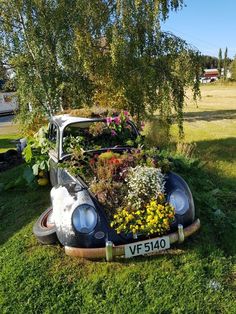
52, 133
97, 134
53, 138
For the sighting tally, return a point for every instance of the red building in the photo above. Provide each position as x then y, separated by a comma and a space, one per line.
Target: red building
211, 73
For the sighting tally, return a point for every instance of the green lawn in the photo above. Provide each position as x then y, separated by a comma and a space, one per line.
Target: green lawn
7, 142
212, 125
198, 276
8, 133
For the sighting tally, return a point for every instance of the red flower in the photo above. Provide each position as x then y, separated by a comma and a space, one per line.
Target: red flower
92, 161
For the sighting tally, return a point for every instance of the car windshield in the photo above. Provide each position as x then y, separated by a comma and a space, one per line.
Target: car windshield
95, 135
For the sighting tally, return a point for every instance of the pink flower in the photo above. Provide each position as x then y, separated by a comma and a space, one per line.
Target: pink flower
117, 120
126, 113
113, 133
109, 120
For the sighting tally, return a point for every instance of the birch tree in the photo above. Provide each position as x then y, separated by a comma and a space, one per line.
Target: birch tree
104, 52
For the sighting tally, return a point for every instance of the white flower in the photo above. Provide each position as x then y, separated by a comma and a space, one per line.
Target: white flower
143, 184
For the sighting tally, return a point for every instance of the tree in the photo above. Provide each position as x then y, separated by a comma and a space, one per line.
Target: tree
208, 62
7, 83
225, 63
138, 67
74, 53
220, 62
37, 41
233, 69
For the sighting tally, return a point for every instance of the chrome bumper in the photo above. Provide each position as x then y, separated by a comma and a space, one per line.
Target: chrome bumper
111, 251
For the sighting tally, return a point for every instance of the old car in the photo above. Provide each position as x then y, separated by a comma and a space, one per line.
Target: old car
77, 219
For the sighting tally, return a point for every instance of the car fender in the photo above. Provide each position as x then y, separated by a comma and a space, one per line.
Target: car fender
64, 201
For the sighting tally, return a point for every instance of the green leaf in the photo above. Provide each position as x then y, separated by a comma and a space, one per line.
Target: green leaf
28, 175
42, 165
27, 153
35, 169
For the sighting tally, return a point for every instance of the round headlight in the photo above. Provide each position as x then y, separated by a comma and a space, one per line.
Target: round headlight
84, 218
179, 200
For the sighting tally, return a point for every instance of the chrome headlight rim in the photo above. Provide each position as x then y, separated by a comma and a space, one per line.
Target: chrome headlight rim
179, 199
84, 218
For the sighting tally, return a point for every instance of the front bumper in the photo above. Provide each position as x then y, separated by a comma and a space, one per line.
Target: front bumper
111, 251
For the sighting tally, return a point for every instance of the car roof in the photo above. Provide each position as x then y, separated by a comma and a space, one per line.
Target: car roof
63, 120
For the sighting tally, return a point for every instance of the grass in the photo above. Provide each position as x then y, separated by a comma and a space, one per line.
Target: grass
212, 126
198, 276
8, 133
7, 142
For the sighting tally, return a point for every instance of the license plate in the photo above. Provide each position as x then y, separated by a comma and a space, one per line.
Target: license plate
147, 247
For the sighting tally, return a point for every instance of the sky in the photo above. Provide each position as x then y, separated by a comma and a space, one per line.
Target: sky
206, 24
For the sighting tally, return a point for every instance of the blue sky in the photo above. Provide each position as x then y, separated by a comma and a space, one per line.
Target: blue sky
206, 24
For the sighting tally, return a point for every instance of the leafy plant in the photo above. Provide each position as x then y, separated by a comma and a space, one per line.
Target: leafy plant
72, 144
26, 179
36, 151
108, 184
186, 149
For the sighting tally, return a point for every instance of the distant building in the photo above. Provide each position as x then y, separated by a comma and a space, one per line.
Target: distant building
209, 75
212, 75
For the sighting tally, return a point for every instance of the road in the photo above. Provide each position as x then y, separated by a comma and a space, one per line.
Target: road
6, 120
7, 125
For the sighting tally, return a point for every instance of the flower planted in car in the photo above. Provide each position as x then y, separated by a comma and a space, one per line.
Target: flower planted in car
145, 209
118, 125
154, 218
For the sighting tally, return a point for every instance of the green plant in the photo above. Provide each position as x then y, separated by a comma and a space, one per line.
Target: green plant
186, 149
73, 144
107, 185
36, 151
109, 193
36, 278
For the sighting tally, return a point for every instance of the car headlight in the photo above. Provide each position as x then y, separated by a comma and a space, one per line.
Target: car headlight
179, 200
84, 218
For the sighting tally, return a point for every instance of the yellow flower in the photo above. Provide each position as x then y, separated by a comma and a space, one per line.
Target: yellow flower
155, 217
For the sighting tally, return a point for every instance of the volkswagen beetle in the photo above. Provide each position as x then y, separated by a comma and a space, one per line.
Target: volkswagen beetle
78, 220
